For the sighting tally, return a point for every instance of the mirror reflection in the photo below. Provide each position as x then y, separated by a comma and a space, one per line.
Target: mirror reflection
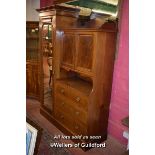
47, 64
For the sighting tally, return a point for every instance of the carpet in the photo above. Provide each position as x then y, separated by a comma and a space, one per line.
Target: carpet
44, 147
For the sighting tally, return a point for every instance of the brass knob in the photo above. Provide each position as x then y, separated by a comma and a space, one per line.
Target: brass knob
62, 91
76, 127
77, 112
77, 99
62, 103
62, 117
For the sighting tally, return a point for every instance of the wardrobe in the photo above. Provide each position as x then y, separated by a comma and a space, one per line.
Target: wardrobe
82, 53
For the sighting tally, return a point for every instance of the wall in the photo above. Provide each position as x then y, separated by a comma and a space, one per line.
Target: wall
44, 3
31, 13
120, 90
120, 98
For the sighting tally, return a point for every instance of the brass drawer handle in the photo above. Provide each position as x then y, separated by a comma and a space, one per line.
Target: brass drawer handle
77, 99
77, 112
76, 127
62, 117
62, 103
62, 91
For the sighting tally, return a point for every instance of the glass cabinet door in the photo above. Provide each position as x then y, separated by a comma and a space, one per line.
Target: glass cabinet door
32, 60
32, 41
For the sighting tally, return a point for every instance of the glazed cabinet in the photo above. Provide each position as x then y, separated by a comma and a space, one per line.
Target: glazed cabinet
82, 69
32, 80
32, 59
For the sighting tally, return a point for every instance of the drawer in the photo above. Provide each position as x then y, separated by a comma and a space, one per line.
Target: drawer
80, 115
63, 119
63, 104
70, 123
78, 98
61, 89
69, 107
78, 128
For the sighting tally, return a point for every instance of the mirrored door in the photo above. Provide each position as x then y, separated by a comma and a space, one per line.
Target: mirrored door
47, 65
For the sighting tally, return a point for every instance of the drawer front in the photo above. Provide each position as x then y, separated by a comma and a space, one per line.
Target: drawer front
68, 107
79, 99
80, 116
63, 104
71, 109
70, 123
78, 128
61, 89
64, 119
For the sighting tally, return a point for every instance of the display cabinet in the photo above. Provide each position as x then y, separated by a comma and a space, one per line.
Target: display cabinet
32, 59
82, 69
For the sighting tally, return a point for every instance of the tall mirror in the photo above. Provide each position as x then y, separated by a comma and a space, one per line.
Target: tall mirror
47, 65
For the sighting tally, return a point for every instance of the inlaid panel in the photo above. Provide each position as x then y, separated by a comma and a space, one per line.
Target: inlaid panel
84, 57
68, 44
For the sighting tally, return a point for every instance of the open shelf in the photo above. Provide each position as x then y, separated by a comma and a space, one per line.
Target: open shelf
85, 74
78, 84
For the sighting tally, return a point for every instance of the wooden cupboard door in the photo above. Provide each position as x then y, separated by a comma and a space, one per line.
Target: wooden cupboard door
32, 81
35, 80
28, 79
84, 55
68, 50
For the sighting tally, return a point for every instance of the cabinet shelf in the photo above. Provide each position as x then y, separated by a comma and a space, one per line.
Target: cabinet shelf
85, 74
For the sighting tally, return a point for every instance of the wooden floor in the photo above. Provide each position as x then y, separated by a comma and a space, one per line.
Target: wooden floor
113, 147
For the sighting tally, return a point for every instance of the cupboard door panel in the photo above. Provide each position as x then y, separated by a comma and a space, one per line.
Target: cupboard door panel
84, 59
32, 81
68, 50
28, 79
35, 81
